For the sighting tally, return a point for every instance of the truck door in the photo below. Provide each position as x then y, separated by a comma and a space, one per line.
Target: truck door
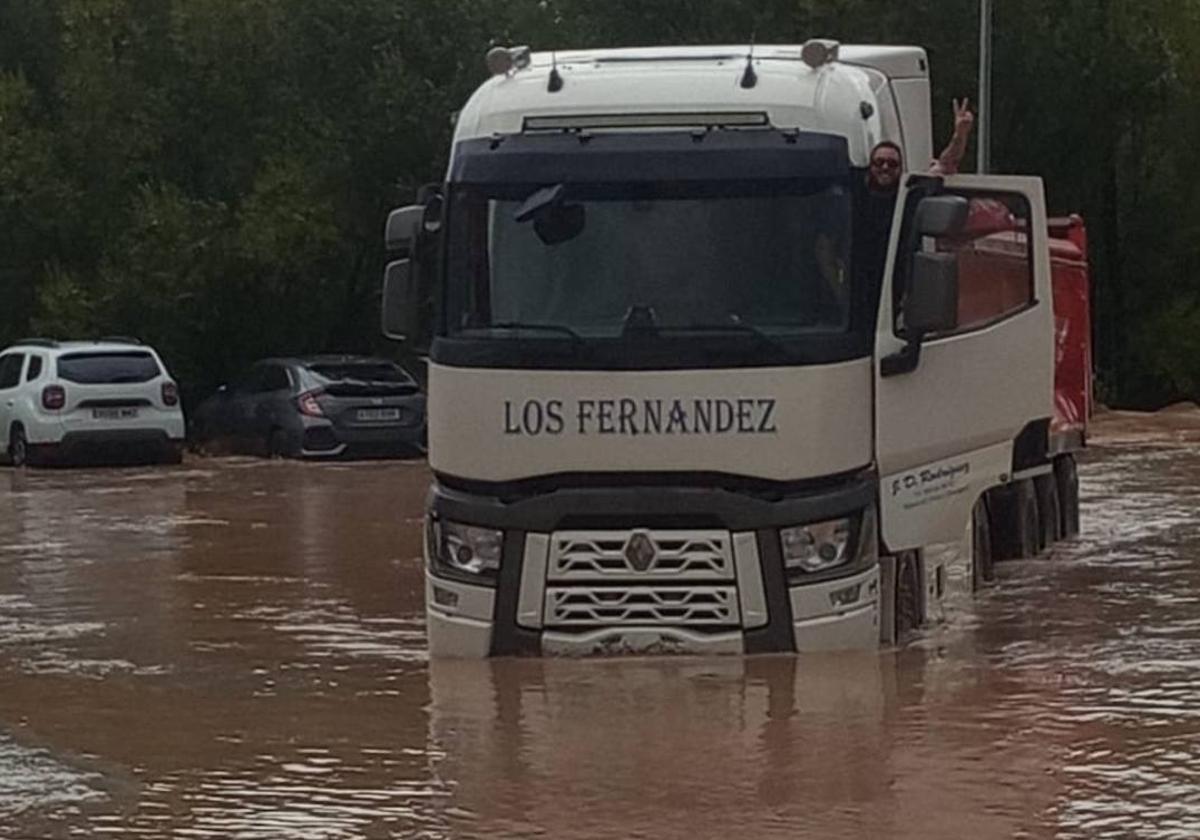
962, 409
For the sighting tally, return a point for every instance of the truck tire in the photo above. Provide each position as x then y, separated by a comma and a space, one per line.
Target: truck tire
983, 569
1014, 520
1029, 532
1066, 476
1049, 511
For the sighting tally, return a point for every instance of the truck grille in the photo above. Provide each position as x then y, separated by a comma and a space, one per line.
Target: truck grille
579, 606
641, 554
641, 577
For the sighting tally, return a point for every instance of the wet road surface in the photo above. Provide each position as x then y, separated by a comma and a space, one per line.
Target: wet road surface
234, 649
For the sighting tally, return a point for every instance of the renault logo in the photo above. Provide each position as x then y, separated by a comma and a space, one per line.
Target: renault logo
639, 551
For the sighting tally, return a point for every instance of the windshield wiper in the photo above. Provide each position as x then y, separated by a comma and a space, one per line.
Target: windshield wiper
723, 326
523, 325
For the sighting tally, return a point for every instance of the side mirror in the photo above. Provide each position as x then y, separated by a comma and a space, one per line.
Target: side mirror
431, 219
403, 225
400, 309
560, 224
942, 215
932, 305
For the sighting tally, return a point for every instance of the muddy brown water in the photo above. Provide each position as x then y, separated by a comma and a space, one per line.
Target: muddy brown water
234, 649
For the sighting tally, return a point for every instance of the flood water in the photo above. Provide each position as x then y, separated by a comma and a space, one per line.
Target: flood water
234, 649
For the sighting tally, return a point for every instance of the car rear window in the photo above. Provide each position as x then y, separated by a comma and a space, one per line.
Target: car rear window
362, 371
107, 368
10, 370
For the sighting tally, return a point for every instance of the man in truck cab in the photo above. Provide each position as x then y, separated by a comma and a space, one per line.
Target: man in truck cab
877, 203
887, 159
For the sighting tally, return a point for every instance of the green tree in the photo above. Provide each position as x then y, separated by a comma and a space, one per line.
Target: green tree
214, 174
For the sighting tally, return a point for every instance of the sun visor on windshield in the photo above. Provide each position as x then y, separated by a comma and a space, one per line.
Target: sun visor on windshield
650, 157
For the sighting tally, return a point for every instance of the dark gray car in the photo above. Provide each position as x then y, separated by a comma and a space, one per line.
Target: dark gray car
315, 406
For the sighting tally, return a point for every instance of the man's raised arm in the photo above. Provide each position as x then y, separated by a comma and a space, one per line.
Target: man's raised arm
947, 162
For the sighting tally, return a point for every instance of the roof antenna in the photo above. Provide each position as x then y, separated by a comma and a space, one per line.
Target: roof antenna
749, 77
554, 85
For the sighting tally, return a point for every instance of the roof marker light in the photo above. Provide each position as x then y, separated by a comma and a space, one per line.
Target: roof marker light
819, 51
499, 61
502, 61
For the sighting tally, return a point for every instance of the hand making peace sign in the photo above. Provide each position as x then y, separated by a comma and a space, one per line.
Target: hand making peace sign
964, 119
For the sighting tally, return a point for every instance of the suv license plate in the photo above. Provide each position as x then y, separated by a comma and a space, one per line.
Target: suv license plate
114, 413
378, 414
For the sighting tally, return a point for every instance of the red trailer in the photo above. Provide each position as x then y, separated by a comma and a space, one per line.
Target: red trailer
993, 278
1072, 334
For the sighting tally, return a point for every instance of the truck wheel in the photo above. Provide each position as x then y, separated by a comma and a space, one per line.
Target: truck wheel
1049, 512
983, 569
1029, 532
1014, 520
1066, 476
18, 447
908, 594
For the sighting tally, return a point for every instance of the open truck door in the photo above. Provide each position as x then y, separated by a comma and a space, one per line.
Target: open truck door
964, 374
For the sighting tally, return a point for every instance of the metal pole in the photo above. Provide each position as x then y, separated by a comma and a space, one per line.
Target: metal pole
983, 148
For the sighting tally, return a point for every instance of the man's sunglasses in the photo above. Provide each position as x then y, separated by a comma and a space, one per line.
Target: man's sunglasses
886, 163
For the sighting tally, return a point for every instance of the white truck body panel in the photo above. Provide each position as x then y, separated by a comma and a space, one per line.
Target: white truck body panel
784, 424
700, 80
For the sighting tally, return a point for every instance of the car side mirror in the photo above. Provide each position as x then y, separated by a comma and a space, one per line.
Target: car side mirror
402, 228
932, 305
400, 310
942, 215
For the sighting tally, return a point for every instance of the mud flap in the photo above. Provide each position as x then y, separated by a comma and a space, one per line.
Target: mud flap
887, 599
905, 591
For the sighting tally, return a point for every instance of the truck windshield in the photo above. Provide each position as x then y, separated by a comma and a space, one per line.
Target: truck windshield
742, 257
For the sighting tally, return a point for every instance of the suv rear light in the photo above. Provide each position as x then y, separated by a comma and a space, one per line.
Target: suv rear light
54, 397
307, 403
170, 394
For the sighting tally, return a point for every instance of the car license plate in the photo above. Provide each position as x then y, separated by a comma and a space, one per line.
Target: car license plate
378, 414
114, 413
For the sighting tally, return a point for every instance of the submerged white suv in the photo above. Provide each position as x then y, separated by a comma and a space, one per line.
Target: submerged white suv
80, 400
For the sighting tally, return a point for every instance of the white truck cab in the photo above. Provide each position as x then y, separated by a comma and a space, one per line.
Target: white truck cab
693, 386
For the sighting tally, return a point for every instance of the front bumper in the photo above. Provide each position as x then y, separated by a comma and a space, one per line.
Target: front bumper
110, 446
465, 630
735, 597
325, 440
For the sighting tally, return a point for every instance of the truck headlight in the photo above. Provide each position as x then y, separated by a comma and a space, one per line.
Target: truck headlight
821, 546
817, 547
465, 551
